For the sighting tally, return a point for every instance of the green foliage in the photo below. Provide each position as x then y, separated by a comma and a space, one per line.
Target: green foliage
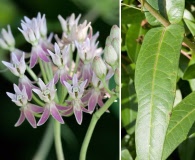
155, 82
182, 119
164, 62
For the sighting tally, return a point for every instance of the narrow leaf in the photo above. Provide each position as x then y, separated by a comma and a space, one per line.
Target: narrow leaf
182, 119
155, 83
129, 107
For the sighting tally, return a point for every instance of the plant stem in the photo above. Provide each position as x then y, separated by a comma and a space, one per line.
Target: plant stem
43, 71
46, 143
39, 102
164, 22
62, 92
92, 124
32, 74
57, 138
106, 87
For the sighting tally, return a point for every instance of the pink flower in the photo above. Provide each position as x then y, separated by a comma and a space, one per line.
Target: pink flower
27, 110
60, 59
76, 91
47, 94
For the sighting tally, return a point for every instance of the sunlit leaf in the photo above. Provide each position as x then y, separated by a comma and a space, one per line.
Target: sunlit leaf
155, 83
172, 10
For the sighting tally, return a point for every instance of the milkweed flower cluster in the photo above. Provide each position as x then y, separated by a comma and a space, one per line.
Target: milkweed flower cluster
82, 81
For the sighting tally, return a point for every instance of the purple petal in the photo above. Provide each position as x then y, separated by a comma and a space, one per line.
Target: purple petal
56, 115
68, 112
44, 116
28, 89
37, 91
30, 117
17, 89
11, 95
43, 56
35, 108
33, 59
100, 102
56, 77
14, 59
78, 115
85, 110
42, 84
82, 85
86, 97
63, 108
21, 119
75, 80
92, 102
68, 86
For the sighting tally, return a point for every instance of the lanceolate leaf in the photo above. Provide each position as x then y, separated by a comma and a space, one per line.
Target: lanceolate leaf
182, 119
155, 83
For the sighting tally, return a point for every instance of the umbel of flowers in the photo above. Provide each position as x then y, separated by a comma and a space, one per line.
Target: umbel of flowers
66, 85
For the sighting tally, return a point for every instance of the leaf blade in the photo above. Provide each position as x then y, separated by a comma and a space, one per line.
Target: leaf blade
182, 119
155, 83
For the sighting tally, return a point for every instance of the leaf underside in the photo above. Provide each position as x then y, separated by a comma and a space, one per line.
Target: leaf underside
155, 83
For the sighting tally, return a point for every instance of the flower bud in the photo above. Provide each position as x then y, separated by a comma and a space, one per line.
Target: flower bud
116, 76
108, 40
110, 55
115, 44
7, 41
99, 67
115, 32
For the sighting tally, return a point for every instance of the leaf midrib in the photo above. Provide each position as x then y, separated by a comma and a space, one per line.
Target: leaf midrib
153, 80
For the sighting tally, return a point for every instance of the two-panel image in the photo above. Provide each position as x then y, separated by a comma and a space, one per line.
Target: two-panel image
97, 80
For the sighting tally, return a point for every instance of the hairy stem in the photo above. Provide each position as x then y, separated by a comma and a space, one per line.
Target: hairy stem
57, 138
92, 125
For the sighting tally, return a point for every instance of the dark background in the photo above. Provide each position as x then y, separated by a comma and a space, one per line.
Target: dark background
22, 142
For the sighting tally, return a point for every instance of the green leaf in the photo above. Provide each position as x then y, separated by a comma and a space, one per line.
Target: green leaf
150, 18
190, 72
182, 119
125, 155
172, 10
155, 83
134, 38
131, 15
129, 107
190, 25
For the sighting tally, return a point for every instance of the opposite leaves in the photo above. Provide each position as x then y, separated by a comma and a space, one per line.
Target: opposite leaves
155, 83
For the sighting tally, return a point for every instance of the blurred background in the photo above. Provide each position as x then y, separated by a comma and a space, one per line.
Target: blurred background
22, 142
